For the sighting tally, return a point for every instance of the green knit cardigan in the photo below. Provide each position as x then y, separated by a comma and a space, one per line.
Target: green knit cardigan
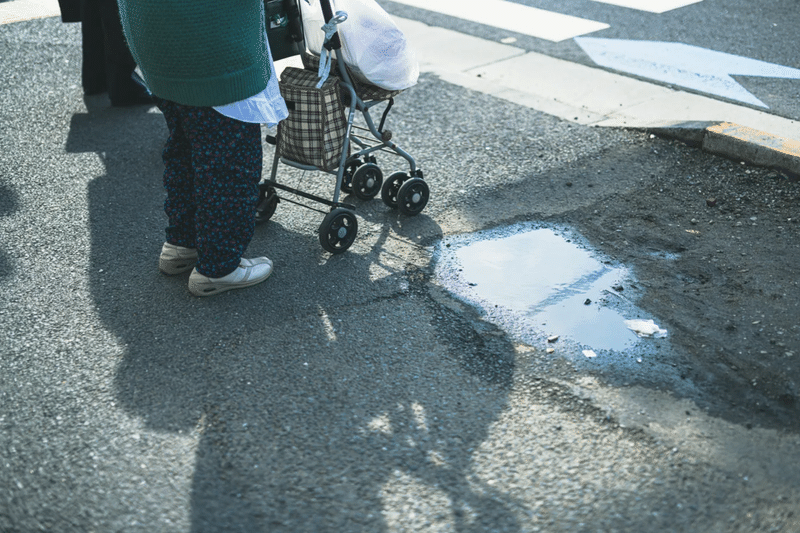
198, 52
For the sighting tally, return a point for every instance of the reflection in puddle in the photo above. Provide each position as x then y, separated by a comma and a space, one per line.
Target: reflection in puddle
535, 281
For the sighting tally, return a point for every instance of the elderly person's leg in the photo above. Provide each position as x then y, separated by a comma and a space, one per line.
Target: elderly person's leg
178, 254
212, 169
227, 164
226, 160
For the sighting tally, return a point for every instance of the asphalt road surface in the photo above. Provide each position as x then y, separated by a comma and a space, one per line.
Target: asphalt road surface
358, 392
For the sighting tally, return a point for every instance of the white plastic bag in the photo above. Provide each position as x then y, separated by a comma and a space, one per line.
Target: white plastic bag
313, 20
646, 328
372, 45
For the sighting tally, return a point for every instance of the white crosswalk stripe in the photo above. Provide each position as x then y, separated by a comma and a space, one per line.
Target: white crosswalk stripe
652, 6
512, 17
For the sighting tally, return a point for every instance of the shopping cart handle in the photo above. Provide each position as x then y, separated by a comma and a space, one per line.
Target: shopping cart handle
333, 43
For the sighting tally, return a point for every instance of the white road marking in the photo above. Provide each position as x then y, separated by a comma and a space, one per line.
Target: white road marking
570, 91
512, 17
684, 65
652, 6
21, 10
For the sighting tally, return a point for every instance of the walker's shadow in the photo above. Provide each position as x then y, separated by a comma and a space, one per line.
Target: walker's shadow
320, 403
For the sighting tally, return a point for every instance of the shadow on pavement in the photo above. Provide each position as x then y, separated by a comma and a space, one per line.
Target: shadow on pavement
8, 205
321, 400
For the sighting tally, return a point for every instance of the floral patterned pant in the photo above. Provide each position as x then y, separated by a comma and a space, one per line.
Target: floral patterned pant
212, 169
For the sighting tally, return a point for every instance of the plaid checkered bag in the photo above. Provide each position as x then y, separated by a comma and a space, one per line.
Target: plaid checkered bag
314, 133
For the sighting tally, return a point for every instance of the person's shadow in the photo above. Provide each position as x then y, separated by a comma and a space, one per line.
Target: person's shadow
321, 400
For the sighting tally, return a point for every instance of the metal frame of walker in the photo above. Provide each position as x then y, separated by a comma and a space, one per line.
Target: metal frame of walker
357, 173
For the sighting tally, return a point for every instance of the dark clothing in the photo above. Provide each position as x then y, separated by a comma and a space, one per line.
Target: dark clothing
70, 10
212, 169
107, 64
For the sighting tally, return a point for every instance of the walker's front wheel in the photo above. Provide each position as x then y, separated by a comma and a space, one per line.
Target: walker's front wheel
391, 187
367, 181
338, 230
412, 196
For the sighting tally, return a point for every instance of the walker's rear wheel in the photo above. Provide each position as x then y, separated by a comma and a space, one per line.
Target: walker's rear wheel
350, 167
338, 230
267, 203
391, 187
413, 196
367, 181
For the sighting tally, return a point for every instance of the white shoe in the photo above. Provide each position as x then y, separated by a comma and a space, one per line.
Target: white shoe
176, 259
248, 273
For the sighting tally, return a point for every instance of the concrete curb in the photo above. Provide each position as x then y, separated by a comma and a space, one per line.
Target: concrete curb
737, 142
22, 10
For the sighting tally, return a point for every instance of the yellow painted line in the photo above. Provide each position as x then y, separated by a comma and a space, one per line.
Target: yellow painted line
22, 10
761, 138
759, 147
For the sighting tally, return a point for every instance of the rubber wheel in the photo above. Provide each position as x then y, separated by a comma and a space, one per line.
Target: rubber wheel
267, 202
367, 181
413, 196
350, 168
391, 187
338, 230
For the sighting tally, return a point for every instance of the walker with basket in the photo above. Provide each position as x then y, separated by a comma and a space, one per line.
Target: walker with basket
320, 134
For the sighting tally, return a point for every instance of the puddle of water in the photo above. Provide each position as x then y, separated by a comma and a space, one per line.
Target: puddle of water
535, 282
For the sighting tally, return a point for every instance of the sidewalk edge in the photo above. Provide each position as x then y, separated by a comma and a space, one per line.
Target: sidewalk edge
737, 142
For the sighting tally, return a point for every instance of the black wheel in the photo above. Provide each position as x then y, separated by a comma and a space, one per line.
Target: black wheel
267, 202
367, 181
412, 196
350, 167
338, 230
391, 187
